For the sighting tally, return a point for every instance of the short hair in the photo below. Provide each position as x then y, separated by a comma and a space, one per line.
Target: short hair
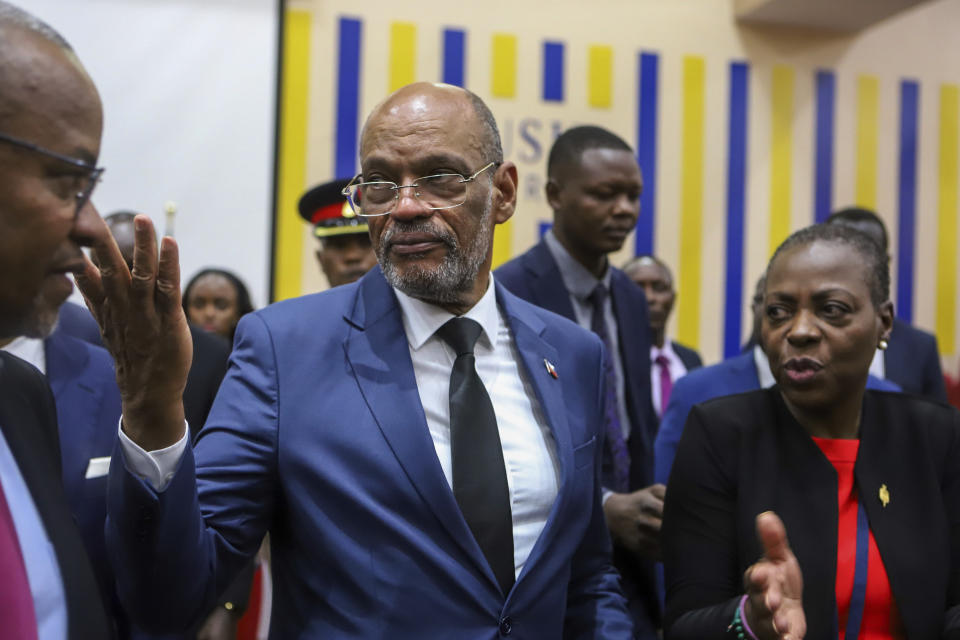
572, 143
633, 262
492, 146
11, 16
244, 303
855, 215
874, 257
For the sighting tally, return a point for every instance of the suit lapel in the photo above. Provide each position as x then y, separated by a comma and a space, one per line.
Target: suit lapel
66, 361
527, 330
379, 356
546, 284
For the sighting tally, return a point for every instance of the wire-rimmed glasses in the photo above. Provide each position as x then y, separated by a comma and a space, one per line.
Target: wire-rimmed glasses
380, 197
92, 176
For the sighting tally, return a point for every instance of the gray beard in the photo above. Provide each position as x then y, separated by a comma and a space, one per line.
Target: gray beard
455, 275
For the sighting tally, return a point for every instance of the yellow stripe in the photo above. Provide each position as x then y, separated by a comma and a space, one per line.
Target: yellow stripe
504, 63
691, 201
403, 54
600, 76
288, 251
946, 327
781, 154
868, 98
502, 243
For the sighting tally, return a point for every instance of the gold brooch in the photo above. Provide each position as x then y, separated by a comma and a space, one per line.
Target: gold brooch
884, 495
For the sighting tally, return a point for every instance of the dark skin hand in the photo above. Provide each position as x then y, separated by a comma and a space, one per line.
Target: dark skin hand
145, 330
634, 519
774, 586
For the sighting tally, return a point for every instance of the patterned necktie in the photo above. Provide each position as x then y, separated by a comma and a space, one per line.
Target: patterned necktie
16, 601
479, 475
613, 430
666, 382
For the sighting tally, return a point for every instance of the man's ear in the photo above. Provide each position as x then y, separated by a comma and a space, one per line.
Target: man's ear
886, 320
553, 194
505, 192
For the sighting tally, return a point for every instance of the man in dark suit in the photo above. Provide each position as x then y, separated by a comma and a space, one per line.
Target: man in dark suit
594, 187
669, 360
911, 359
423, 446
50, 126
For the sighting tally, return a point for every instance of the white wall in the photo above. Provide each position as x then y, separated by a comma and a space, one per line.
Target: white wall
188, 88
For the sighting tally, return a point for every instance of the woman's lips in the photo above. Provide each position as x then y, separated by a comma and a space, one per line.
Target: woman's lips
802, 370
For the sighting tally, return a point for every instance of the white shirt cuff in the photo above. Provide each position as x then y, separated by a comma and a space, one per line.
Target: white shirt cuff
156, 467
605, 495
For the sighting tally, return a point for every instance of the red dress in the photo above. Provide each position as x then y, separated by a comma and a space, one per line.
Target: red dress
881, 620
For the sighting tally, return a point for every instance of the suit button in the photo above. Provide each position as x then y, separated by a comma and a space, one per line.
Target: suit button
506, 626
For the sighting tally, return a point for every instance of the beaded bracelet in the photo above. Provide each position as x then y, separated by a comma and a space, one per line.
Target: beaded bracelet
739, 624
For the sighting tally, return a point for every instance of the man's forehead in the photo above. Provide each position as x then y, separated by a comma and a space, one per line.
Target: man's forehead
41, 80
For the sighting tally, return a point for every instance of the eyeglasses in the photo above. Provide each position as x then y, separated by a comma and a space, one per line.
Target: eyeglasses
91, 178
440, 191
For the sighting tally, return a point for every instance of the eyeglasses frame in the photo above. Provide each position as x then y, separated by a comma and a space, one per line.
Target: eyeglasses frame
94, 171
396, 188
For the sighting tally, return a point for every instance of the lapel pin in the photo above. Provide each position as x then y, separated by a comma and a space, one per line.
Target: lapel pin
884, 494
552, 370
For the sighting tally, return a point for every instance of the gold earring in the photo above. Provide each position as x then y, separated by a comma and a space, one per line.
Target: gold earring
884, 344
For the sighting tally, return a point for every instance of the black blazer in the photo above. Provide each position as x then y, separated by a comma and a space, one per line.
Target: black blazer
745, 454
29, 422
690, 358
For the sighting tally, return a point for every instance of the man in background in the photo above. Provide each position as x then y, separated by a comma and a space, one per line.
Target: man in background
911, 358
593, 187
345, 253
669, 360
50, 126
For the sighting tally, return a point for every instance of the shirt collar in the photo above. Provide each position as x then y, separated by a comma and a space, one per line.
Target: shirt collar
578, 280
763, 368
667, 351
422, 319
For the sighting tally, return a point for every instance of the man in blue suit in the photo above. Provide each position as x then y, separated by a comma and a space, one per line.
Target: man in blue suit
746, 372
594, 187
911, 359
340, 425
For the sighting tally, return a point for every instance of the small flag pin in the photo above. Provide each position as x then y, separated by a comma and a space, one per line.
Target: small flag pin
552, 370
884, 494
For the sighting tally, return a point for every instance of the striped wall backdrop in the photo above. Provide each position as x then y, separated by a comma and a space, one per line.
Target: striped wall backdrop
737, 150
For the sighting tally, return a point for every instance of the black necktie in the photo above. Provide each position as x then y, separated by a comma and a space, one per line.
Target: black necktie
479, 475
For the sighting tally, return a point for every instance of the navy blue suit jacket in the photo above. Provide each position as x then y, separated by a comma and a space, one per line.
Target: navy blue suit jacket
913, 362
535, 277
690, 358
734, 375
84, 387
318, 435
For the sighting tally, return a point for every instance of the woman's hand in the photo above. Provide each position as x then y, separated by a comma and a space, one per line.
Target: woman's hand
774, 586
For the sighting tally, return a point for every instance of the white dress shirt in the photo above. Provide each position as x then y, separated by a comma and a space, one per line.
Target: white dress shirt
674, 365
764, 374
580, 283
529, 451
29, 349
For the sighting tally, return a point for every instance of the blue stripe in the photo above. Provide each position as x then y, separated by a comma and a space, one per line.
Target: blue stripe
823, 180
648, 83
542, 228
736, 199
553, 72
348, 99
906, 225
859, 596
454, 70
